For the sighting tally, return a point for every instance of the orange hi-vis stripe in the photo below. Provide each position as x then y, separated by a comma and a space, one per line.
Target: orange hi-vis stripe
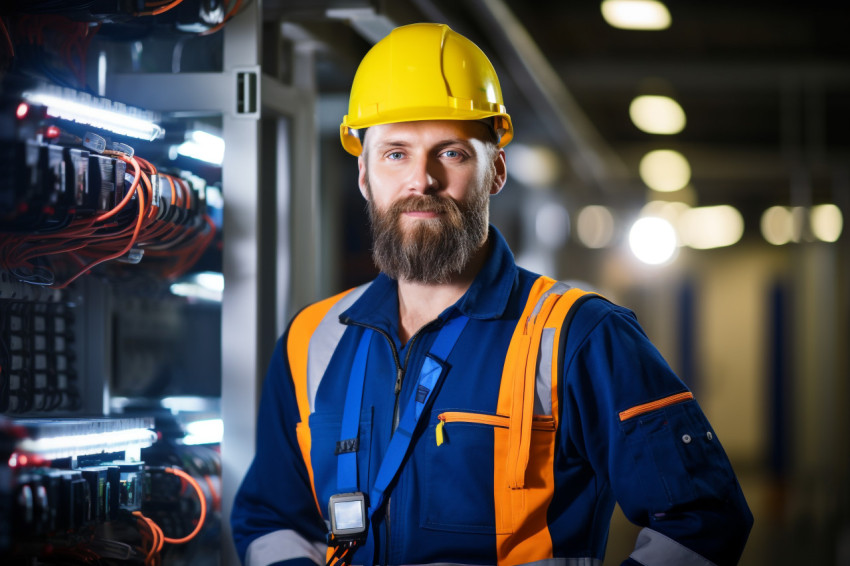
297, 347
653, 405
521, 498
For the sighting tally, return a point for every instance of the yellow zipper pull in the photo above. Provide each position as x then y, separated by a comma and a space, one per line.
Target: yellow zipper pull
440, 432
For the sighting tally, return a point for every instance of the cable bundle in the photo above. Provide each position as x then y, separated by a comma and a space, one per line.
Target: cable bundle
153, 538
159, 215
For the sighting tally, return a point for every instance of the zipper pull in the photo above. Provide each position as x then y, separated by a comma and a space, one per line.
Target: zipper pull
399, 378
439, 429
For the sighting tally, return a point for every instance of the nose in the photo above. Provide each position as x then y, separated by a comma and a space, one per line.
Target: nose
421, 177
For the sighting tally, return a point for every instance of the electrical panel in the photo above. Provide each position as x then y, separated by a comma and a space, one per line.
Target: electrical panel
110, 289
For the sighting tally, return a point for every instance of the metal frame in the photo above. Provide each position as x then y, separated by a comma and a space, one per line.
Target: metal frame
258, 294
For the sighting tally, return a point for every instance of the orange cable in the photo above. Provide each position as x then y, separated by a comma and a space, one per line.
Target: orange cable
132, 240
171, 182
151, 530
167, 7
160, 10
230, 14
136, 177
201, 498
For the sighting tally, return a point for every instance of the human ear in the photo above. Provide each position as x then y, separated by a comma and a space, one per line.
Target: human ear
361, 177
501, 172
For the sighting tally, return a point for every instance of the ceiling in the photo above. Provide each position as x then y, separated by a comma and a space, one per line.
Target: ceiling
765, 87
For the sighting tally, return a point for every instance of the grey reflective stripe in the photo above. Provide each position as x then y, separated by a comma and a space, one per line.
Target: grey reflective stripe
557, 288
324, 342
546, 562
283, 545
543, 389
543, 398
655, 549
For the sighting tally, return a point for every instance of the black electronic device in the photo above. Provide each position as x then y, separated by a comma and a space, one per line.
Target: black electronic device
348, 516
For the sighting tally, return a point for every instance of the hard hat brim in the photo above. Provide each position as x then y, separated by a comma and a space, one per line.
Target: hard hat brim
352, 143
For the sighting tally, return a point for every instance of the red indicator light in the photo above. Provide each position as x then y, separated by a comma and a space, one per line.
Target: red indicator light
17, 460
52, 132
22, 110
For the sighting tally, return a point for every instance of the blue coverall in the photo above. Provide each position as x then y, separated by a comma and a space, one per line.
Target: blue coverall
617, 440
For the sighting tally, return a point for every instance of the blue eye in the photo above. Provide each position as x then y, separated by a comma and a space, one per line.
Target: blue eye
451, 153
395, 155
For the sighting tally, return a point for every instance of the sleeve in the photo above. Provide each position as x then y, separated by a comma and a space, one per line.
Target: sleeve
274, 518
642, 431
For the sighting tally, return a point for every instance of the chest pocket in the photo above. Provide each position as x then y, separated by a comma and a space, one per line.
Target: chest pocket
466, 488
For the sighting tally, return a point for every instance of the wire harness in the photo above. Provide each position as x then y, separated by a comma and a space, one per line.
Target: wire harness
153, 538
159, 215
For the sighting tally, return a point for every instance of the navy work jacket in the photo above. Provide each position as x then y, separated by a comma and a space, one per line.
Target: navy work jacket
627, 430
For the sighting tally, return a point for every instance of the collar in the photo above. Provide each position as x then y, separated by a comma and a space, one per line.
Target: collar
486, 298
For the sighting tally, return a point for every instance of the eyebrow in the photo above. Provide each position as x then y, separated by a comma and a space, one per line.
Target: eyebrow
391, 143
387, 144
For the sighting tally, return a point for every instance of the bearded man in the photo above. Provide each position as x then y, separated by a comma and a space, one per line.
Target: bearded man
460, 409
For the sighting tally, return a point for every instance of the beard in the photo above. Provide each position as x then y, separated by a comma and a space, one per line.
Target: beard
433, 250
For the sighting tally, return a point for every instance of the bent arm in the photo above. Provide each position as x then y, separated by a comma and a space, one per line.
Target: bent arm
275, 519
642, 431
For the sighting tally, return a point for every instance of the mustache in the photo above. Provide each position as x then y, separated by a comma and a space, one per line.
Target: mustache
424, 203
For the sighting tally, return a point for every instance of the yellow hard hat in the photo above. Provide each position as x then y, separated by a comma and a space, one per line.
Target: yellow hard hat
423, 72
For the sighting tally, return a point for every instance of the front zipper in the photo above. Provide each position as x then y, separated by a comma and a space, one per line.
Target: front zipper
400, 373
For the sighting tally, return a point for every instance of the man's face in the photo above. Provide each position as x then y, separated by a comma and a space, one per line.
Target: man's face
428, 185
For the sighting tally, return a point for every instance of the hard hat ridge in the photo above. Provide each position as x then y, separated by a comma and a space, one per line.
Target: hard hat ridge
423, 72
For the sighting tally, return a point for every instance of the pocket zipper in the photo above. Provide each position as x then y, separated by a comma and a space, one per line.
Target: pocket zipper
539, 422
653, 405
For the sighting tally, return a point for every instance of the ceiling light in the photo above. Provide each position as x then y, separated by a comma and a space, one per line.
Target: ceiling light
653, 240
595, 226
708, 227
665, 170
827, 222
656, 114
777, 225
636, 14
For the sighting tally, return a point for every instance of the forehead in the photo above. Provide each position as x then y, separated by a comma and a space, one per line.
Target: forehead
426, 132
